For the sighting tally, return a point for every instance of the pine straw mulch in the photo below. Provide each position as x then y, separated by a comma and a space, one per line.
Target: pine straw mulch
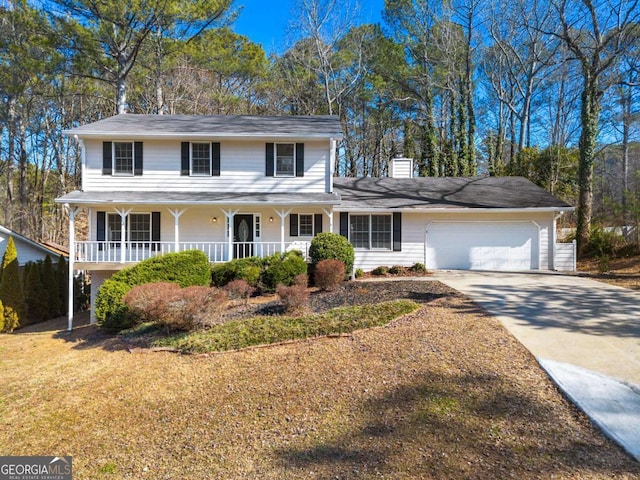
623, 272
444, 393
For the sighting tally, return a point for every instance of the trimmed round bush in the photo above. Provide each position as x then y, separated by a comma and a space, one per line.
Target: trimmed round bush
332, 246
111, 313
247, 269
281, 270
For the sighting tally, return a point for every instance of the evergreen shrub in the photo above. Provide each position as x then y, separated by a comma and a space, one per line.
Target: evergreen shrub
332, 246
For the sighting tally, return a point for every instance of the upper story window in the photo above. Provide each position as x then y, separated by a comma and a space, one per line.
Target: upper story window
285, 160
200, 159
122, 158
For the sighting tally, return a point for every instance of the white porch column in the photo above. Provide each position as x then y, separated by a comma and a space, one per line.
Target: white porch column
72, 257
229, 214
176, 227
329, 213
282, 214
123, 232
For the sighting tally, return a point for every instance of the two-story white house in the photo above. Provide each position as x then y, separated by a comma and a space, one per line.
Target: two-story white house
236, 186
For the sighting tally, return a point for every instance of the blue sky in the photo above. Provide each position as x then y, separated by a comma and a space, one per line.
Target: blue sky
266, 22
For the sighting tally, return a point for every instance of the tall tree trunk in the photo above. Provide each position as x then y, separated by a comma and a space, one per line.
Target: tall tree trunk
590, 114
121, 95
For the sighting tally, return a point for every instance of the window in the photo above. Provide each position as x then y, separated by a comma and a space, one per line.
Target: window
306, 225
200, 159
138, 227
285, 160
370, 231
123, 158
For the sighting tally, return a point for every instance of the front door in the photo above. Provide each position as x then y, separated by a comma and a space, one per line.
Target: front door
242, 236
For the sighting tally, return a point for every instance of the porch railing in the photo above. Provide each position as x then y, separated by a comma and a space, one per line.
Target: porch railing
112, 252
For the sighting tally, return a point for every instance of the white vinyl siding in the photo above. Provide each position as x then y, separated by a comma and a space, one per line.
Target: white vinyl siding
242, 169
414, 226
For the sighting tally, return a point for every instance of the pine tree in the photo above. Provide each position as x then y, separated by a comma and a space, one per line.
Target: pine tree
36, 295
50, 288
11, 293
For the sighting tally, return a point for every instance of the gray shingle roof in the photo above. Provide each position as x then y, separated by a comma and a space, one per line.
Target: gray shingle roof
126, 125
444, 192
207, 198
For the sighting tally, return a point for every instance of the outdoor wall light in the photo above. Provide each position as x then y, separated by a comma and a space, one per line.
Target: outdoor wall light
270, 219
214, 219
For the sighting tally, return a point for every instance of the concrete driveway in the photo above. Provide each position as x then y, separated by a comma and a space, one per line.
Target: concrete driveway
584, 333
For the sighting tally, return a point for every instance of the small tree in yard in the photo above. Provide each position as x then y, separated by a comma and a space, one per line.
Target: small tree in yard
11, 294
62, 277
50, 288
36, 296
328, 274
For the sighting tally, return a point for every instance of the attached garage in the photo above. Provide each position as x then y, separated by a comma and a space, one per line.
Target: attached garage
477, 223
477, 245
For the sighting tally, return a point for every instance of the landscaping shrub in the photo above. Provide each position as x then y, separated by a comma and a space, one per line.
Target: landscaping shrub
36, 296
111, 313
293, 298
62, 277
603, 243
239, 289
50, 288
418, 267
331, 246
398, 270
193, 307
301, 280
381, 270
328, 274
187, 268
359, 273
11, 292
175, 308
248, 269
146, 303
282, 269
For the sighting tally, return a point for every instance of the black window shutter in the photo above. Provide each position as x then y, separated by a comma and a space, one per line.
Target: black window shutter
215, 156
293, 224
299, 159
184, 155
397, 231
155, 230
270, 159
101, 228
137, 156
107, 158
317, 223
344, 224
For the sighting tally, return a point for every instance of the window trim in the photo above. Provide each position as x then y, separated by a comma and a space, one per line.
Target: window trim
113, 159
313, 225
127, 232
275, 160
370, 248
191, 174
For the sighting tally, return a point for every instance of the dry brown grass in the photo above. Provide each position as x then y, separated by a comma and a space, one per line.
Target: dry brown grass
624, 272
442, 393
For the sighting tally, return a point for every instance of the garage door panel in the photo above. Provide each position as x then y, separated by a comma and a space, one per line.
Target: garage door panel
481, 246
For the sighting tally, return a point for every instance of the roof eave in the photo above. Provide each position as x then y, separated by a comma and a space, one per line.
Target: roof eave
456, 209
197, 135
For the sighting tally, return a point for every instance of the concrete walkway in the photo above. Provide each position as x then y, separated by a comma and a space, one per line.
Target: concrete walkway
585, 334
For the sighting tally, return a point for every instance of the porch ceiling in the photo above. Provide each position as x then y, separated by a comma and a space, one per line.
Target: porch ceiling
197, 198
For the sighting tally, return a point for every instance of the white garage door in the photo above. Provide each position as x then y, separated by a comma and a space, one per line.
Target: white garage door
482, 246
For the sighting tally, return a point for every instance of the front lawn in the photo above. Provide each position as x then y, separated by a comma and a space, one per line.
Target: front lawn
442, 393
